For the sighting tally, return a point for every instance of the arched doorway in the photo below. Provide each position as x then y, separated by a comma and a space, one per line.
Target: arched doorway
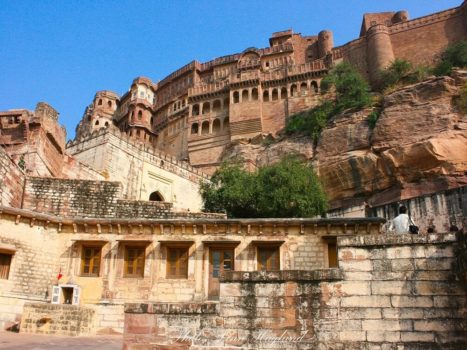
156, 197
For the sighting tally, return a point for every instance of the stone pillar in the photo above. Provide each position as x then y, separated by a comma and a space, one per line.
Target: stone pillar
379, 51
199, 278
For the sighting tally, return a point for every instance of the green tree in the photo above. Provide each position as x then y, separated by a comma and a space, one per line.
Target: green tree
231, 190
289, 189
352, 90
454, 56
286, 189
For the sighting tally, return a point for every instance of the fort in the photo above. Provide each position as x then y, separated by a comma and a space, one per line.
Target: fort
105, 234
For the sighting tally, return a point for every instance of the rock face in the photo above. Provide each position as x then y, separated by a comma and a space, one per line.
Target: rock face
418, 146
264, 150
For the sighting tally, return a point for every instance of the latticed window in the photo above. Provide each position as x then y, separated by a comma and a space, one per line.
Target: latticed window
90, 261
5, 262
268, 259
134, 261
177, 262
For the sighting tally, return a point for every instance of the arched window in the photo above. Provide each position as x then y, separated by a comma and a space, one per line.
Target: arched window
156, 196
100, 102
225, 124
195, 110
205, 128
314, 86
216, 106
245, 95
96, 123
106, 124
140, 115
194, 129
206, 107
266, 96
293, 90
283, 93
236, 97
109, 103
275, 95
254, 94
216, 126
303, 88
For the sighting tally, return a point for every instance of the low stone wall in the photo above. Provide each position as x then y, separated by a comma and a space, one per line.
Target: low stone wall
71, 198
95, 199
57, 319
389, 292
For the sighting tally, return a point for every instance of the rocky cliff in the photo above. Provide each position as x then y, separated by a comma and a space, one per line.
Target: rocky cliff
418, 146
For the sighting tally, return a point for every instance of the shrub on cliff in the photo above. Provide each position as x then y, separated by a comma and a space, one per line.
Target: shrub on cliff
312, 121
352, 90
454, 56
400, 73
286, 189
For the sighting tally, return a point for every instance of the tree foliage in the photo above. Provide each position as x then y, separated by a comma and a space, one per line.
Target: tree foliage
454, 56
286, 189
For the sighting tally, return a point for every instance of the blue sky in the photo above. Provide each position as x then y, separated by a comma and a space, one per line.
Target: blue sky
62, 52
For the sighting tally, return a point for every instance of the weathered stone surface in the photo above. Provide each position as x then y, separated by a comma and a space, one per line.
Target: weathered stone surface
419, 136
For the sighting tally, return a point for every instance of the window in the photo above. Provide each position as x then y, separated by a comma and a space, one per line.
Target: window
216, 126
156, 196
332, 253
134, 261
268, 259
245, 96
236, 97
254, 94
177, 262
109, 103
90, 261
100, 102
205, 128
275, 95
5, 263
140, 115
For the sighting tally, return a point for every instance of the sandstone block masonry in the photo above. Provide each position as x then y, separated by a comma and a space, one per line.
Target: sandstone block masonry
389, 292
57, 319
94, 199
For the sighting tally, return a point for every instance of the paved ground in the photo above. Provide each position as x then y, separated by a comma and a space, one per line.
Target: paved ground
9, 340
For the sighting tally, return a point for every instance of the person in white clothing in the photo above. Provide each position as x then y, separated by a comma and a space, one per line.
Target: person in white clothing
400, 224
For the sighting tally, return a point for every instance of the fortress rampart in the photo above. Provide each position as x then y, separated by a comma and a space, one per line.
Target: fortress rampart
198, 110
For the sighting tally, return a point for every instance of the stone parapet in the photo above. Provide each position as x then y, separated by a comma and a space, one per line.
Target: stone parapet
67, 320
281, 276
